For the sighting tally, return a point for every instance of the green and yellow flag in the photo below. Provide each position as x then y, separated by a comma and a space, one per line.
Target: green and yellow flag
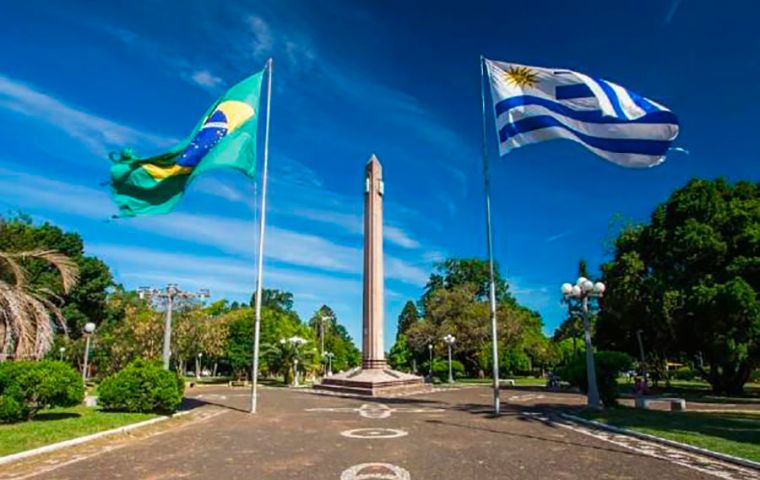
224, 138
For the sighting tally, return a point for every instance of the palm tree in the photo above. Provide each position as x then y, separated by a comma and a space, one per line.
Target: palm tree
28, 312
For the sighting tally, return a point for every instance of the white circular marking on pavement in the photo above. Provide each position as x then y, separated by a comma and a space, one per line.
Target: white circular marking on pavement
375, 410
366, 433
375, 471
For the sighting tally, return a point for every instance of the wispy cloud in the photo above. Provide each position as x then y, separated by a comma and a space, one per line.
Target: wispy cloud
217, 188
207, 80
26, 190
95, 132
400, 237
672, 10
558, 236
231, 235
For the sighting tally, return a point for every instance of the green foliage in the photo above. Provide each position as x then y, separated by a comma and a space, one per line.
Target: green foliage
408, 317
456, 302
400, 357
26, 387
87, 301
608, 366
441, 369
689, 279
514, 362
274, 299
684, 373
143, 386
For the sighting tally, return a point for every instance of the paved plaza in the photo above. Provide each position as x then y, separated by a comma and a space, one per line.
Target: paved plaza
299, 434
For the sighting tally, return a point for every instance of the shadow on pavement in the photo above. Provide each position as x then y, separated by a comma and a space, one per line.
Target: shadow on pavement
534, 437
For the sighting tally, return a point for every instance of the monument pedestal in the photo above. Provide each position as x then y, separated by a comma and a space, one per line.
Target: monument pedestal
374, 382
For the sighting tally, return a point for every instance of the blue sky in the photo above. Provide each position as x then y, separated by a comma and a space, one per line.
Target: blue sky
399, 79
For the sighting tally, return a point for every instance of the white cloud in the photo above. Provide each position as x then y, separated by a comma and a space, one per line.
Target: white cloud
97, 133
217, 188
558, 236
23, 189
263, 37
207, 80
400, 237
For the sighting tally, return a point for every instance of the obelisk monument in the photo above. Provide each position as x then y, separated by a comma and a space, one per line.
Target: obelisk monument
373, 312
374, 377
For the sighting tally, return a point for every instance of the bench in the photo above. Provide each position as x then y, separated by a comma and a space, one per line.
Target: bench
676, 404
508, 381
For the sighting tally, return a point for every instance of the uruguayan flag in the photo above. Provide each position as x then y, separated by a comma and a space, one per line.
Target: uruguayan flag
534, 104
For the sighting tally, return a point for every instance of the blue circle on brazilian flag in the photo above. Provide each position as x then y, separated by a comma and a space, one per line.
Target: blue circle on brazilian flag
226, 118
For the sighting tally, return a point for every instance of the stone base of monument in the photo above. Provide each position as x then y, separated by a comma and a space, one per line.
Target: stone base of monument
374, 382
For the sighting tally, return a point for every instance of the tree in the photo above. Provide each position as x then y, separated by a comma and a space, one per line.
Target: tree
26, 309
689, 279
337, 340
85, 301
456, 272
134, 330
275, 299
456, 302
408, 317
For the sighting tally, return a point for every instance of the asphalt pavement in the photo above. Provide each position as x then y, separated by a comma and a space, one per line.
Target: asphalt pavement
444, 435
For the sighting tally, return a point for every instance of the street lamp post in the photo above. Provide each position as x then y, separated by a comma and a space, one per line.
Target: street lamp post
60, 353
641, 353
582, 291
449, 340
199, 365
430, 370
168, 295
89, 328
329, 356
295, 342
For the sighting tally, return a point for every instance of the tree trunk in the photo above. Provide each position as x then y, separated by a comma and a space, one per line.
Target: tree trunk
216, 364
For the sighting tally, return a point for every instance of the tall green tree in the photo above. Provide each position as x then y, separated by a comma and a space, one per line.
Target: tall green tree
689, 279
86, 302
456, 302
408, 317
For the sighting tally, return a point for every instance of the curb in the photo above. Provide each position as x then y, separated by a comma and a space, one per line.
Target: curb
87, 438
664, 441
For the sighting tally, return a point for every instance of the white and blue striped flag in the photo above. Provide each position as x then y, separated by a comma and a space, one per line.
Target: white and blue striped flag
534, 104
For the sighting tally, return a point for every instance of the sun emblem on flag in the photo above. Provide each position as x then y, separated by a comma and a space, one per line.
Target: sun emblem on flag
521, 77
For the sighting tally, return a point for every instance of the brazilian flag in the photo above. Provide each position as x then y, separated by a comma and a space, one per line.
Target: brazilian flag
224, 138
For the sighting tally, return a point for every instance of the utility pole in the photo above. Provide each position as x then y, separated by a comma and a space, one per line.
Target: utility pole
168, 295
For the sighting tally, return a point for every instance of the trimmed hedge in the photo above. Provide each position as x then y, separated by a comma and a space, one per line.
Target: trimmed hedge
608, 367
142, 386
27, 387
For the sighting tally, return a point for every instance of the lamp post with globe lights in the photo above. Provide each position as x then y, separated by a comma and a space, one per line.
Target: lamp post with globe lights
89, 329
583, 290
329, 356
295, 342
449, 340
60, 353
430, 370
168, 296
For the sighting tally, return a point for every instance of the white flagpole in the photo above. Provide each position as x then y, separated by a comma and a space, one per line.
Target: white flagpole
260, 259
489, 236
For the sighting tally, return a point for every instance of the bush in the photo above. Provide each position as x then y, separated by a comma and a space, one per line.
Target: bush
608, 367
142, 386
684, 373
27, 387
441, 369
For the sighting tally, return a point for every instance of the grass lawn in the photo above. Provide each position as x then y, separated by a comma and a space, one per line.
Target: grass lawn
736, 434
58, 424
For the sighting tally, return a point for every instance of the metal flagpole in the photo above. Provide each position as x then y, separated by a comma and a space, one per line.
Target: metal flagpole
487, 192
260, 259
